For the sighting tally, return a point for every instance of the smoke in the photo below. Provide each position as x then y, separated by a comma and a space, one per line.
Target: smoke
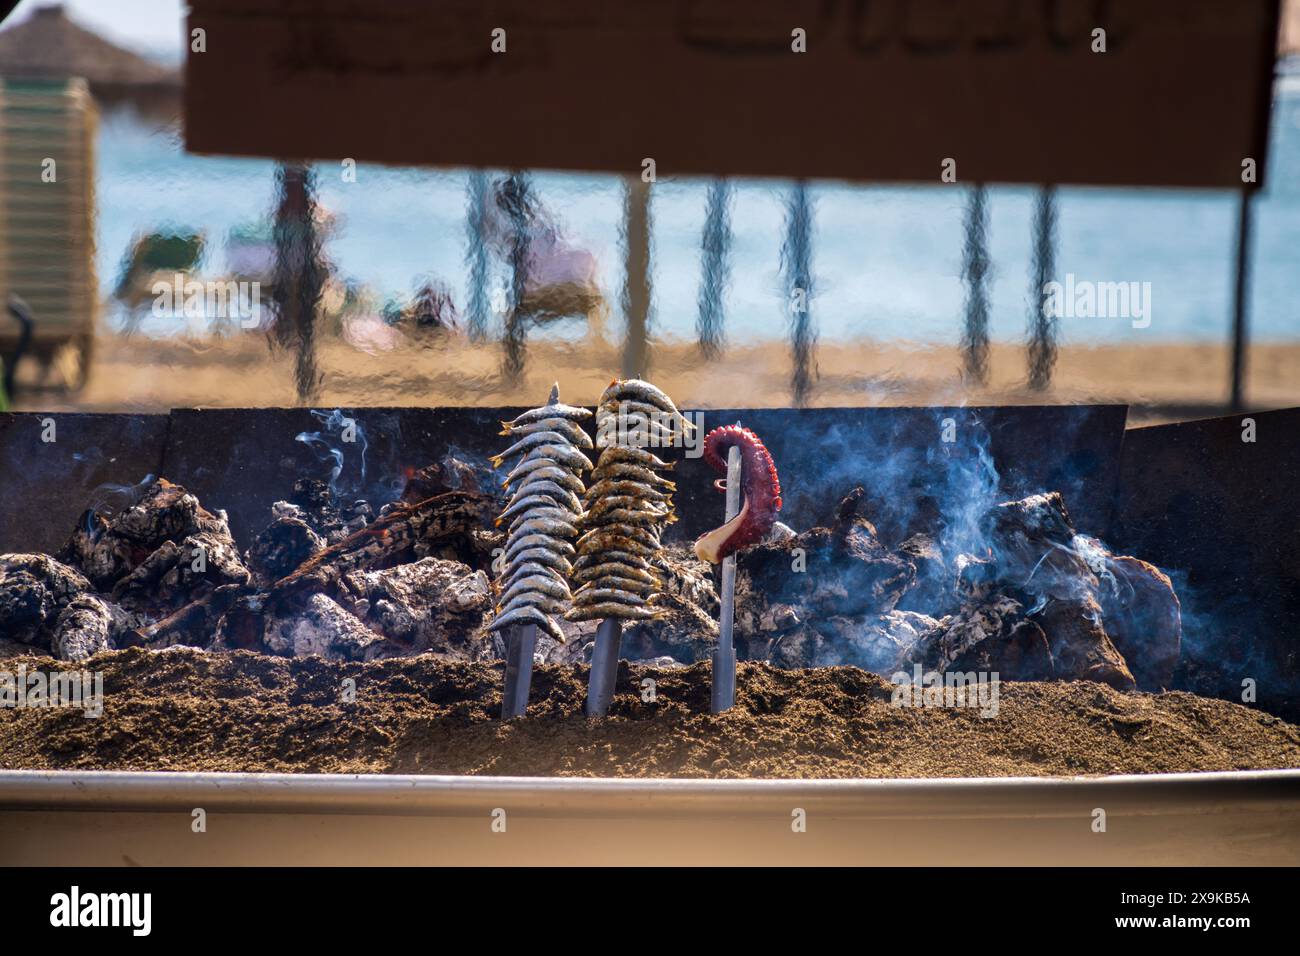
111, 499
937, 495
939, 484
337, 431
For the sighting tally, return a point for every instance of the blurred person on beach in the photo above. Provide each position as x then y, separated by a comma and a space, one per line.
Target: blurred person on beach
560, 279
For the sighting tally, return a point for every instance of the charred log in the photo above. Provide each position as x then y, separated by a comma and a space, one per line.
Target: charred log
1143, 618
450, 474
34, 590
164, 551
874, 643
195, 623
412, 530
993, 635
321, 627
430, 605
1081, 649
283, 546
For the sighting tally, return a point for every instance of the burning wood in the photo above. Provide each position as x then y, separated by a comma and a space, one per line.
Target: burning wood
163, 551
284, 545
431, 605
447, 520
49, 605
1029, 598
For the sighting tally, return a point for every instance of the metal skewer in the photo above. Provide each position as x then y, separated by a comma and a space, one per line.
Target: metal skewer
724, 656
604, 667
519, 670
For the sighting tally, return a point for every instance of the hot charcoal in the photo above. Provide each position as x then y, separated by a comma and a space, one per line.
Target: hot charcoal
1019, 592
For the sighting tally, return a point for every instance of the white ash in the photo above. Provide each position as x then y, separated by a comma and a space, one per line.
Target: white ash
431, 604
84, 628
325, 629
34, 590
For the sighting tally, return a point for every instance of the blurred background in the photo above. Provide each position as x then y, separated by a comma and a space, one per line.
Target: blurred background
446, 286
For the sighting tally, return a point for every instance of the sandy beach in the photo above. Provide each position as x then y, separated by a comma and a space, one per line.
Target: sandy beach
1161, 381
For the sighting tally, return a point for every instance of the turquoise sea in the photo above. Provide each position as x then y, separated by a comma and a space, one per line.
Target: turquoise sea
886, 259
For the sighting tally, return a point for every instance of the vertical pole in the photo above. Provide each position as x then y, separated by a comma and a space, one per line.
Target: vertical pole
1042, 327
517, 199
604, 667
724, 657
476, 254
715, 267
796, 255
636, 283
1241, 291
299, 274
975, 267
521, 644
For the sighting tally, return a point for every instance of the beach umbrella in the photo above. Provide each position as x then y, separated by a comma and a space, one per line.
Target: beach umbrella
50, 45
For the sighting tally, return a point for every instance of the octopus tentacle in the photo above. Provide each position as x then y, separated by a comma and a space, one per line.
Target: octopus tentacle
759, 483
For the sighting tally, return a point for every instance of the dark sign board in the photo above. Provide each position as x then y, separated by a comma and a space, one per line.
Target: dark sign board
872, 90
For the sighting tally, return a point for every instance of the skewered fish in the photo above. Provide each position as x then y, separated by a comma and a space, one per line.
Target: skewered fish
544, 542
613, 556
644, 479
623, 454
551, 446
563, 426
634, 390
528, 614
544, 513
628, 517
529, 569
612, 584
611, 609
545, 469
550, 410
535, 584
552, 559
614, 570
627, 505
544, 521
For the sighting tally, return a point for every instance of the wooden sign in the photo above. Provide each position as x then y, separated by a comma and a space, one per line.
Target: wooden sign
1141, 92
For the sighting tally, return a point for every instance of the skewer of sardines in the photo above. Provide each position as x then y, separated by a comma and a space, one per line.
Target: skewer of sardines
543, 515
627, 506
